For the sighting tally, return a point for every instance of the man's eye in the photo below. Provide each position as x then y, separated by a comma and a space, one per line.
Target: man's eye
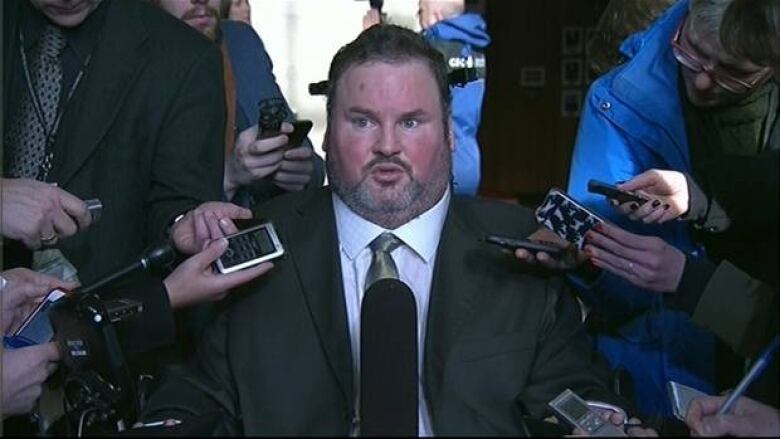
361, 122
410, 123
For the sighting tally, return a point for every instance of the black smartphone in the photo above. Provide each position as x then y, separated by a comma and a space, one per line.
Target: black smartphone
301, 129
270, 115
532, 246
250, 247
612, 192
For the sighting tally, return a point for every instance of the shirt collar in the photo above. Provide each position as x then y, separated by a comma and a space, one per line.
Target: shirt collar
421, 234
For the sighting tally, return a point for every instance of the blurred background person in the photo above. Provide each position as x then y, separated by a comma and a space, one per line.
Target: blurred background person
665, 107
619, 20
255, 169
236, 10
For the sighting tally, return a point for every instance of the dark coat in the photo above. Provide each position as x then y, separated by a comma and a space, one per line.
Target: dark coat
143, 133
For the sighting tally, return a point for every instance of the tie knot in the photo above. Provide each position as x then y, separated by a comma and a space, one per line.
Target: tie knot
52, 42
385, 243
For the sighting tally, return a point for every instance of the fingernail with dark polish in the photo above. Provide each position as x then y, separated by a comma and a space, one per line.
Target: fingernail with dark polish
666, 206
656, 203
634, 206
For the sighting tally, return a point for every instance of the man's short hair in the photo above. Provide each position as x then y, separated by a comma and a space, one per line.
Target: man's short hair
751, 29
390, 44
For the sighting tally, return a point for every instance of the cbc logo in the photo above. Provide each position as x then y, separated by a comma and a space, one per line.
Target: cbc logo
458, 62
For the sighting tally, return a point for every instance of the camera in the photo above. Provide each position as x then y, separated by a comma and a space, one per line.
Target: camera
98, 388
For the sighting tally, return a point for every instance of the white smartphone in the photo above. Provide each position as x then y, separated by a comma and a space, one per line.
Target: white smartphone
250, 247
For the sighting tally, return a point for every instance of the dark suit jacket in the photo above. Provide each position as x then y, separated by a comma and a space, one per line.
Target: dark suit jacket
143, 133
278, 360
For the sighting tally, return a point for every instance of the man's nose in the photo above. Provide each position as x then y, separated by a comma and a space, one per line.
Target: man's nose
387, 144
703, 81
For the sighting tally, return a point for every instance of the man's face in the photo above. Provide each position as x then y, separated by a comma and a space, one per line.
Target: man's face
388, 155
702, 88
203, 15
66, 13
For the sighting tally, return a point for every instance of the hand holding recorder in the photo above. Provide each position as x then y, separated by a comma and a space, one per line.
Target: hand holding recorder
39, 214
195, 280
209, 221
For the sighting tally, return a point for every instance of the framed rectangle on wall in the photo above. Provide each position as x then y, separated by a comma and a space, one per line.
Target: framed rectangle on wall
571, 102
572, 40
571, 72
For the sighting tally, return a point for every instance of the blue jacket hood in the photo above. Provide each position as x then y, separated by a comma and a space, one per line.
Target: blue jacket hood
466, 28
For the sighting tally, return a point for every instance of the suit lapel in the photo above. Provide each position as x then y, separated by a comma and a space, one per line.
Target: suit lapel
454, 292
315, 253
110, 76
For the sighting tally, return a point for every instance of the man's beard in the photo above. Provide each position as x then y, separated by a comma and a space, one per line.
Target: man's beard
407, 202
210, 33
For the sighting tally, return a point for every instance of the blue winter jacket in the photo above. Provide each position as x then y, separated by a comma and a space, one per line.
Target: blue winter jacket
471, 31
633, 121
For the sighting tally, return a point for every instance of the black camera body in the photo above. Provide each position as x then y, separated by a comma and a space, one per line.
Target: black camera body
99, 389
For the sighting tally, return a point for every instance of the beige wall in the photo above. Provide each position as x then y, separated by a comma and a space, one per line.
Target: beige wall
301, 36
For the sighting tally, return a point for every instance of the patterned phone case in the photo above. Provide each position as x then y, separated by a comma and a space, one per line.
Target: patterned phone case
567, 218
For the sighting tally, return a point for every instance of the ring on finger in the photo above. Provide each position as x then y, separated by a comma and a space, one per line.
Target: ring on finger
49, 240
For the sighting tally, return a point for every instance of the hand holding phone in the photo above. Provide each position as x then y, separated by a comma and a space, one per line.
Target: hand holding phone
36, 328
612, 192
579, 414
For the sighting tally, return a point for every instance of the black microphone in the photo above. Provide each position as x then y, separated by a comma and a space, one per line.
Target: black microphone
388, 360
156, 256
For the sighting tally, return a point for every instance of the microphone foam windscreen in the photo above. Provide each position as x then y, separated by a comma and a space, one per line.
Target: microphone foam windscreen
388, 360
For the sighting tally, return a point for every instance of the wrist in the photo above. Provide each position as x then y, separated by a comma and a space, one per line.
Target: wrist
228, 184
172, 291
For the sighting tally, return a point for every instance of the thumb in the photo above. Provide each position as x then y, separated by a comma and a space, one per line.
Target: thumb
47, 352
722, 425
208, 255
239, 212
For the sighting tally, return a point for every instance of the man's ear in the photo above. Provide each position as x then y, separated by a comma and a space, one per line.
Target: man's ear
326, 140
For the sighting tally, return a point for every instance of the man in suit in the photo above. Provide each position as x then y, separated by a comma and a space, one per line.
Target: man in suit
494, 341
137, 124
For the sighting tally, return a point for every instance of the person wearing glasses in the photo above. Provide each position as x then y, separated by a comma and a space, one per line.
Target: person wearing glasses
677, 102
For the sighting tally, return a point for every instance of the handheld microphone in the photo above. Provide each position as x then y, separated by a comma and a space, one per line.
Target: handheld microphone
388, 360
155, 256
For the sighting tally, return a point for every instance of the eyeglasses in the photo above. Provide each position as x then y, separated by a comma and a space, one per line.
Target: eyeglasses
727, 81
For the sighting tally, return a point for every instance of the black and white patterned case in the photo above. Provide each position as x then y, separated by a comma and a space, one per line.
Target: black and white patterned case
566, 217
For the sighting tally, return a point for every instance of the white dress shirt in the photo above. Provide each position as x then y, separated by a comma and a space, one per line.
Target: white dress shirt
415, 261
